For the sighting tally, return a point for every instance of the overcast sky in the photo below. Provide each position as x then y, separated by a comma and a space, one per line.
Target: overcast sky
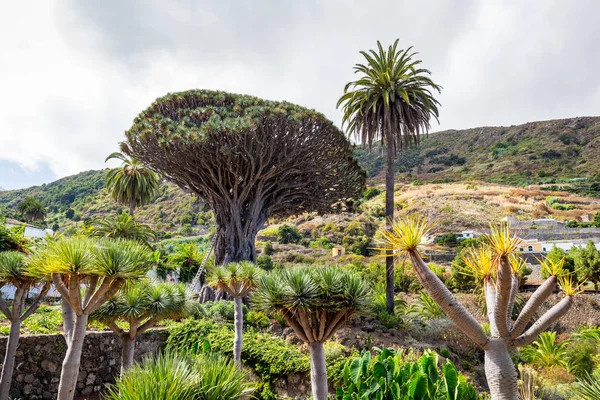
74, 74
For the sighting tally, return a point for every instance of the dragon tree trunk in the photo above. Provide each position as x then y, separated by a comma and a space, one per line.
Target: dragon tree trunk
318, 371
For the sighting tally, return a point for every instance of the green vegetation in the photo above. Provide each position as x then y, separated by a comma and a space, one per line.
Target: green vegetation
176, 377
131, 184
391, 375
392, 102
31, 209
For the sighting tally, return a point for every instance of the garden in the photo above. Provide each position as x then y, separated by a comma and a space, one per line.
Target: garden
114, 310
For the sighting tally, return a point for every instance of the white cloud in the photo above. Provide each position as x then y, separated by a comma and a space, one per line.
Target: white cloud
73, 74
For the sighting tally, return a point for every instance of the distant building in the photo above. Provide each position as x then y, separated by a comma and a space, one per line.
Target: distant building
545, 246
468, 235
337, 251
31, 231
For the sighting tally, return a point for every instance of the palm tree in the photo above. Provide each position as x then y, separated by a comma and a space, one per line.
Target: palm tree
132, 183
14, 272
500, 285
391, 101
122, 227
101, 267
238, 280
32, 209
176, 377
141, 305
315, 302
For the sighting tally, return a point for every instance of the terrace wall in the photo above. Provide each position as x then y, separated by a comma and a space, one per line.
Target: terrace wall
39, 359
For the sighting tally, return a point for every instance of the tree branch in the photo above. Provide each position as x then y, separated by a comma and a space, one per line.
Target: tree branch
446, 300
536, 300
38, 301
551, 316
503, 289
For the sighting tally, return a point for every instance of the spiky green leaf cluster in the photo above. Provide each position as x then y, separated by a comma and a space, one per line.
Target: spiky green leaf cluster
309, 288
122, 226
92, 257
132, 182
145, 300
237, 279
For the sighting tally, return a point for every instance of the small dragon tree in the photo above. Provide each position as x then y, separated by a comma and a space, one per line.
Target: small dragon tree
249, 159
238, 280
14, 271
141, 305
499, 278
86, 273
315, 302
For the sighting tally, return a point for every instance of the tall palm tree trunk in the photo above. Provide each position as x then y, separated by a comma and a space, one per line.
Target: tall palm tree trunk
318, 371
70, 366
389, 216
500, 371
239, 326
8, 365
132, 205
127, 352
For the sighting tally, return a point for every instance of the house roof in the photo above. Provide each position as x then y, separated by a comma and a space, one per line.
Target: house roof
11, 221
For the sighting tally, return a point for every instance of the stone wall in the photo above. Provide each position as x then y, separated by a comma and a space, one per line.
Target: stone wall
39, 359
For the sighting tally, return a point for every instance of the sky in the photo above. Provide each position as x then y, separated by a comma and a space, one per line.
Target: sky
74, 74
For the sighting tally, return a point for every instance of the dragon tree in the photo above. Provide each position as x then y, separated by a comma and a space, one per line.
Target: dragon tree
249, 159
496, 268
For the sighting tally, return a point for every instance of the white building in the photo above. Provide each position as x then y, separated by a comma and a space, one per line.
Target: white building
467, 235
31, 231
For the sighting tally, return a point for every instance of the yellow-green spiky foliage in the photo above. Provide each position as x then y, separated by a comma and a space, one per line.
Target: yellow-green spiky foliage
235, 279
86, 272
15, 272
498, 267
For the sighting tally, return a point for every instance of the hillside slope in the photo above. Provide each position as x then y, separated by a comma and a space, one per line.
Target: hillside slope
86, 196
546, 152
532, 153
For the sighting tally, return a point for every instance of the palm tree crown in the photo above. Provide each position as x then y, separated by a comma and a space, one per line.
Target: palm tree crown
133, 183
392, 97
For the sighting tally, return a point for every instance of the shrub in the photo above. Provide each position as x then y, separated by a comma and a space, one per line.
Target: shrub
371, 192
268, 249
222, 310
321, 243
446, 239
265, 262
288, 234
257, 319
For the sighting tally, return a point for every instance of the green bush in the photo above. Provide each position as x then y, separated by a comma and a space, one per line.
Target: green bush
389, 376
176, 377
288, 234
269, 357
371, 192
321, 243
222, 310
265, 262
257, 319
268, 250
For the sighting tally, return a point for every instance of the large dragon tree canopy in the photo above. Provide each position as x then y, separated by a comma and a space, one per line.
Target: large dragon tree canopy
248, 158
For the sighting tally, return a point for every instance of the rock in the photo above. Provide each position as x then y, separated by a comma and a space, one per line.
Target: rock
49, 366
29, 378
91, 378
27, 389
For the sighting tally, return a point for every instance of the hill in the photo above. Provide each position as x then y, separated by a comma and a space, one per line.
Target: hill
544, 152
73, 200
560, 157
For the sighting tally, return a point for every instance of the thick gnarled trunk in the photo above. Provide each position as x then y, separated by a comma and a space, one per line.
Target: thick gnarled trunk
318, 371
236, 237
239, 326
